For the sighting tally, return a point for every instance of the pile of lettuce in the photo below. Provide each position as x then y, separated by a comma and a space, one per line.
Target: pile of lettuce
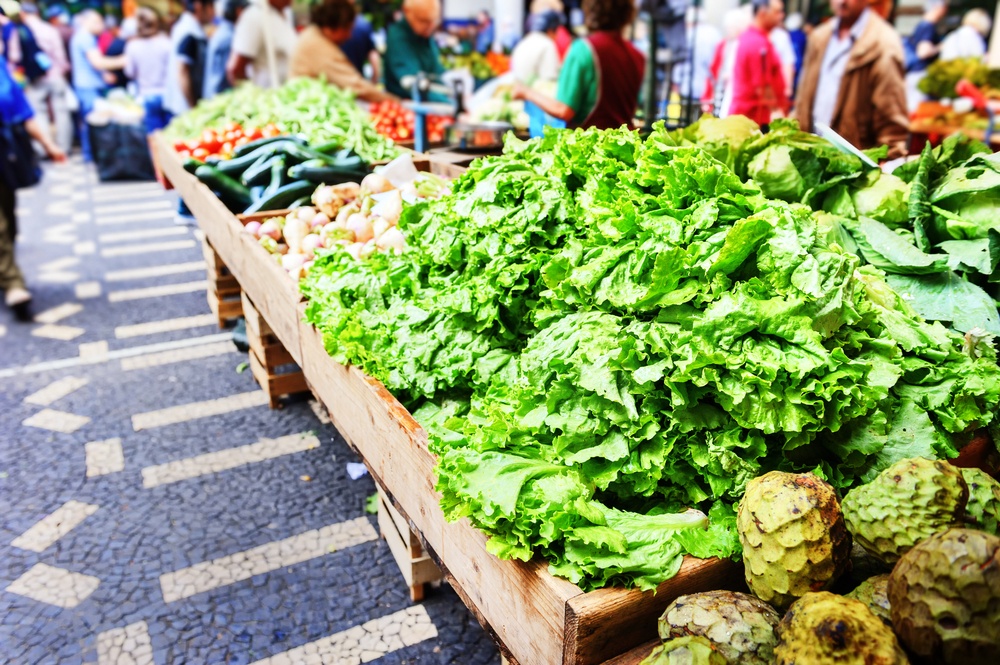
606, 337
930, 225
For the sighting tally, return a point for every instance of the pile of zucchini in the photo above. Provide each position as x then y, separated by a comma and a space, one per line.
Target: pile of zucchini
276, 173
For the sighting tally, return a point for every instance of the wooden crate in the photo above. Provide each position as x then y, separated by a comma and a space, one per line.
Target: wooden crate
414, 563
535, 618
271, 364
223, 291
273, 293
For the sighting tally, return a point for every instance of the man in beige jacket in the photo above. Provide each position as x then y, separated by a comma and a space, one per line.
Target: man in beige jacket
852, 79
317, 52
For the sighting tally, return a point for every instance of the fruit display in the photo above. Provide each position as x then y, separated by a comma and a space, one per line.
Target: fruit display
822, 627
874, 592
739, 626
321, 113
983, 508
793, 536
908, 502
943, 75
692, 650
477, 64
392, 120
945, 598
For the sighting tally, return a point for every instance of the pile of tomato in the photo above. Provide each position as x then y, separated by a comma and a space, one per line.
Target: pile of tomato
391, 119
223, 142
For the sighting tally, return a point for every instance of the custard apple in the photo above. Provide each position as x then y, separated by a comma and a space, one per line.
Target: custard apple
983, 509
740, 626
911, 500
874, 592
945, 598
793, 536
823, 627
690, 650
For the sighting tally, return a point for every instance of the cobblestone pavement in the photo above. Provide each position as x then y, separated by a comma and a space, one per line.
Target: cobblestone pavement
138, 529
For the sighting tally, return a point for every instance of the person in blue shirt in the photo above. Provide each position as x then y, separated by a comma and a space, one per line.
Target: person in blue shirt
89, 66
485, 32
220, 46
15, 111
360, 48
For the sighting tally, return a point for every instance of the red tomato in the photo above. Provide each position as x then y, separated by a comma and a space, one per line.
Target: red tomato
200, 153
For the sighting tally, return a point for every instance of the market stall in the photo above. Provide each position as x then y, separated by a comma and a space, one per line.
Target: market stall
589, 373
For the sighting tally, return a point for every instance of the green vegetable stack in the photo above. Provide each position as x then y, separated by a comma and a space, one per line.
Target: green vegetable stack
607, 337
318, 111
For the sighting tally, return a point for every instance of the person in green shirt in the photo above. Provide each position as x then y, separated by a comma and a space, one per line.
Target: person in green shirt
410, 49
600, 79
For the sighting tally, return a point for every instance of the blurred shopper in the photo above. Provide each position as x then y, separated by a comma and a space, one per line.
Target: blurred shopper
852, 80
109, 34
220, 46
785, 49
703, 40
795, 25
718, 96
89, 65
759, 86
969, 39
921, 48
186, 70
49, 95
318, 54
563, 37
410, 49
263, 42
485, 32
17, 119
536, 58
147, 58
127, 31
58, 17
600, 80
360, 49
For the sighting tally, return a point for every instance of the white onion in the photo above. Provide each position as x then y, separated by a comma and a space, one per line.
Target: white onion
392, 239
390, 206
367, 249
319, 219
361, 227
305, 213
293, 263
311, 243
270, 229
354, 249
379, 226
253, 228
375, 184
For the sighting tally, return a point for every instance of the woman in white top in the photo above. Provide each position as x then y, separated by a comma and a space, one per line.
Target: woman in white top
146, 62
968, 40
536, 58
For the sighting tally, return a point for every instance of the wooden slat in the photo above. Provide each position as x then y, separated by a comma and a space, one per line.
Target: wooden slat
276, 385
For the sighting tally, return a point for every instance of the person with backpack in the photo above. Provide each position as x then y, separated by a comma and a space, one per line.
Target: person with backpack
49, 95
18, 168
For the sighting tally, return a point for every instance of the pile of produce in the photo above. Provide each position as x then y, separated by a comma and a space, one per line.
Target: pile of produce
943, 75
394, 121
930, 226
502, 107
480, 66
608, 337
314, 109
276, 173
929, 527
222, 143
360, 218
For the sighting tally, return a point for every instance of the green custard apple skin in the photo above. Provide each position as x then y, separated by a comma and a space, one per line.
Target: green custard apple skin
793, 535
945, 598
874, 593
823, 628
740, 626
983, 509
690, 650
911, 500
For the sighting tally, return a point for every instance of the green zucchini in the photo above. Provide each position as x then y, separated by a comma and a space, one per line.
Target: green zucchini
233, 194
246, 149
279, 176
260, 172
328, 174
283, 197
191, 164
234, 168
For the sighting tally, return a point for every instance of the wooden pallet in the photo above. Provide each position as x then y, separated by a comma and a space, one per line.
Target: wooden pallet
272, 366
223, 289
416, 565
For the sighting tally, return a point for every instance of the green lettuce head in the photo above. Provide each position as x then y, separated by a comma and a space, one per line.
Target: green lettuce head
777, 173
884, 197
